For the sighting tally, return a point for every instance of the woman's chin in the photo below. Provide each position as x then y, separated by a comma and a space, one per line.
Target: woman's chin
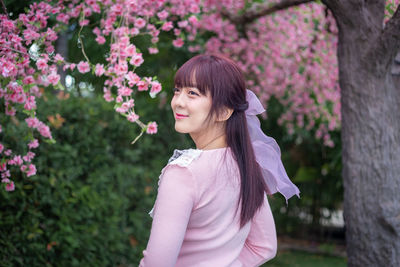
180, 129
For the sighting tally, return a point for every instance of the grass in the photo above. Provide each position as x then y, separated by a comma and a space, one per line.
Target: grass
303, 259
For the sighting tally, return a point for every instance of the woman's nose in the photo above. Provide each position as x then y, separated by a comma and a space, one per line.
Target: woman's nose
179, 99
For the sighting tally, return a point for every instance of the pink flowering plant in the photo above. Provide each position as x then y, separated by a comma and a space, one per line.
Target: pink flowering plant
29, 62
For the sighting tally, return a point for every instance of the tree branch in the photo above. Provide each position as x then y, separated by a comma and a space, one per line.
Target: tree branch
4, 8
340, 10
388, 44
262, 10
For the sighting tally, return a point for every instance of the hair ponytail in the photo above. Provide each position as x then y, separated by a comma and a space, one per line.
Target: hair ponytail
252, 186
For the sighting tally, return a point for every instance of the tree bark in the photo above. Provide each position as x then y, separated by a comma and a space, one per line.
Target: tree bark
370, 131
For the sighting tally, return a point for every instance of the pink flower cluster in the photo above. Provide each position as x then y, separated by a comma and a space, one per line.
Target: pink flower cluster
23, 68
291, 56
28, 60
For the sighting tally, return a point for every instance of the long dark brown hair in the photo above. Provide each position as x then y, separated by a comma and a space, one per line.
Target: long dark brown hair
223, 79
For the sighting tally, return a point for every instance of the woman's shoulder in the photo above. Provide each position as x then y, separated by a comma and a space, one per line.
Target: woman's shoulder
196, 158
184, 158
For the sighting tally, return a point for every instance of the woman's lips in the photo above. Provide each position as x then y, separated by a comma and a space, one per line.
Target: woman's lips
180, 116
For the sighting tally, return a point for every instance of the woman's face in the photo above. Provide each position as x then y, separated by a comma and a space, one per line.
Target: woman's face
191, 110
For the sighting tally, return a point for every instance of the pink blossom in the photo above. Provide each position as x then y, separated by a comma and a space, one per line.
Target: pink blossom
125, 91
121, 68
155, 87
83, 67
44, 130
162, 15
193, 20
32, 122
8, 25
130, 50
100, 39
183, 23
28, 80
33, 144
10, 111
99, 70
5, 174
136, 60
30, 35
83, 22
140, 23
153, 50
62, 18
42, 64
132, 78
51, 35
167, 26
8, 152
30, 103
53, 78
142, 86
10, 186
31, 171
151, 128
107, 95
1, 147
58, 58
194, 8
177, 31
178, 42
132, 117
121, 109
17, 160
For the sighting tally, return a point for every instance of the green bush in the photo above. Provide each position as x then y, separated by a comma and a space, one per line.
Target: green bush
88, 204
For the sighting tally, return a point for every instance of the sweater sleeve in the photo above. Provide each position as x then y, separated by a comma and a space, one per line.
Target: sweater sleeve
172, 209
261, 243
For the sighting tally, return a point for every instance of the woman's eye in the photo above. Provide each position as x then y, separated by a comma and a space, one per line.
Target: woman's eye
175, 90
193, 93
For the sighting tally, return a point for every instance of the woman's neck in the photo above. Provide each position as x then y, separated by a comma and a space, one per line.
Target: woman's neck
207, 142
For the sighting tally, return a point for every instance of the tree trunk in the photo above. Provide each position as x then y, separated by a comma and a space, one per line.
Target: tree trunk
370, 134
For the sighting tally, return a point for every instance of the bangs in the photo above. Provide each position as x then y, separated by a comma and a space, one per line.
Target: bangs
194, 73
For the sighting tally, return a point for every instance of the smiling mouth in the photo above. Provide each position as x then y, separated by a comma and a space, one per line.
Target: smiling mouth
180, 116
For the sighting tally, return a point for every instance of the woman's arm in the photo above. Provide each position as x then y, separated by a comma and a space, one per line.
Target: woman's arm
173, 206
261, 243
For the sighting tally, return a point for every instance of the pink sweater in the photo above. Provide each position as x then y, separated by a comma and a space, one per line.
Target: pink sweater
194, 219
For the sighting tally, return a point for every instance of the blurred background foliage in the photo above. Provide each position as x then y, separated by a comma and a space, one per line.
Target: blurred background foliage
88, 204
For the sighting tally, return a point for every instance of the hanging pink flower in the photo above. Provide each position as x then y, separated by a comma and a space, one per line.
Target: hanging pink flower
10, 186
162, 15
132, 117
83, 67
155, 87
153, 50
151, 128
167, 26
140, 23
33, 144
99, 70
178, 42
31, 170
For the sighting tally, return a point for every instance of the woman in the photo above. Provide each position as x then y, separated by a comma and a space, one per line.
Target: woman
211, 208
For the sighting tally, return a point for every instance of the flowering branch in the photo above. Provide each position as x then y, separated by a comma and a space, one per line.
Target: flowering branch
259, 11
